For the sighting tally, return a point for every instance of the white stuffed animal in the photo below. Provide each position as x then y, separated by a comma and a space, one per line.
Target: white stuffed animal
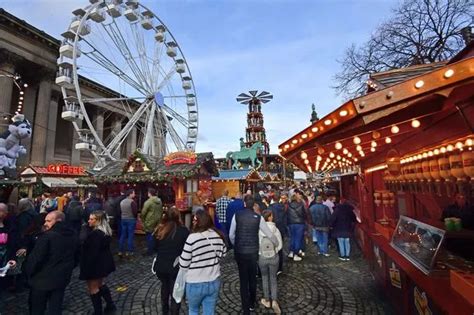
10, 141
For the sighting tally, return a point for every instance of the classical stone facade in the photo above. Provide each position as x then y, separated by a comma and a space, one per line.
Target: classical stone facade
31, 53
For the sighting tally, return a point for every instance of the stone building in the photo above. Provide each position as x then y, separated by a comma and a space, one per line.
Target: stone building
33, 54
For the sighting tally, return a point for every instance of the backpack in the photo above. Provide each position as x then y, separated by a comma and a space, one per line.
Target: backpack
267, 248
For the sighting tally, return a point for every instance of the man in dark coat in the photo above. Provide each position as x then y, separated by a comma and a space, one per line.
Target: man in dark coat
343, 221
49, 265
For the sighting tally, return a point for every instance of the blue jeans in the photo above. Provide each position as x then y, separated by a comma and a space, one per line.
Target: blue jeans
344, 246
150, 242
322, 240
296, 237
203, 293
127, 232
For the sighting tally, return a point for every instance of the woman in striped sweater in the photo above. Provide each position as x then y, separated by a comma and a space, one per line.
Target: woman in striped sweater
203, 250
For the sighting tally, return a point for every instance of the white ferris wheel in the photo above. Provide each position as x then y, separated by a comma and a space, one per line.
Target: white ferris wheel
125, 48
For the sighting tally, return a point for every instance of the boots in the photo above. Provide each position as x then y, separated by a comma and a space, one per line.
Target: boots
97, 303
105, 293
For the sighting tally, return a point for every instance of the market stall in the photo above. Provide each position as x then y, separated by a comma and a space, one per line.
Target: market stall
235, 181
413, 144
57, 178
177, 177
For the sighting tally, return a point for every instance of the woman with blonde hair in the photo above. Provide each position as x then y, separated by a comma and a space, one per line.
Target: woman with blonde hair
97, 262
170, 238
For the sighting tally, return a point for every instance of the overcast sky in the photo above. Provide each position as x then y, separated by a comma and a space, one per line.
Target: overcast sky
286, 47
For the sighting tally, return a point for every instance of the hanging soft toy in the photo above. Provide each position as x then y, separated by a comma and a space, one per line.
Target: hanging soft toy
10, 141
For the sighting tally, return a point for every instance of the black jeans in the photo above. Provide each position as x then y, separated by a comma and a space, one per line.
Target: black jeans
52, 298
247, 264
167, 284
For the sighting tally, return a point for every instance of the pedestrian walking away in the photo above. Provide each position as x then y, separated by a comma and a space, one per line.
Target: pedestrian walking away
151, 216
170, 237
244, 231
201, 259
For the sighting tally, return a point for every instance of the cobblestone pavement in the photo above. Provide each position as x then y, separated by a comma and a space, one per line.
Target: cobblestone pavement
316, 285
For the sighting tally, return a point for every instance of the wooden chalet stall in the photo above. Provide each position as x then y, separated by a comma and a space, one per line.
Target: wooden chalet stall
413, 141
176, 177
58, 178
235, 181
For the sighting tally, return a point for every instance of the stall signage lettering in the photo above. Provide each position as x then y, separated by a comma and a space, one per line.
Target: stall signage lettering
180, 158
65, 169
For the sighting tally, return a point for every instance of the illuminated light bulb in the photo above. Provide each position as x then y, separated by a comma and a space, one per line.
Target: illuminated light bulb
424, 155
395, 129
328, 160
349, 154
327, 122
21, 98
442, 150
356, 140
373, 144
375, 135
355, 159
294, 141
430, 153
459, 145
448, 73
306, 162
345, 151
361, 153
372, 149
331, 155
343, 113
388, 140
280, 150
415, 158
20, 102
304, 155
338, 157
436, 151
419, 84
469, 142
21, 92
319, 158
314, 129
338, 146
450, 147
287, 146
320, 150
304, 136
25, 85
415, 123
419, 156
359, 148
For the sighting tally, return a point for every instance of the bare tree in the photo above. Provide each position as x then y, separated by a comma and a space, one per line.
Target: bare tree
420, 31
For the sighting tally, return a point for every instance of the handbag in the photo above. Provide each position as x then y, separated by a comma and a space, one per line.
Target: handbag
180, 285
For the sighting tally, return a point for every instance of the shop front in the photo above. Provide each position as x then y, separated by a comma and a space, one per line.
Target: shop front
57, 178
412, 144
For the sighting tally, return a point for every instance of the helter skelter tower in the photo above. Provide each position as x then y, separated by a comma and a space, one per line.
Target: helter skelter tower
255, 131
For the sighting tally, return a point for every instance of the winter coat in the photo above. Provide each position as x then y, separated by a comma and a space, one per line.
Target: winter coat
279, 217
272, 226
96, 258
49, 265
151, 213
168, 249
74, 211
296, 213
320, 215
342, 221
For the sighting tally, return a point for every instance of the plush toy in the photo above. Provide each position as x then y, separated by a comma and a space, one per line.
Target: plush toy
10, 141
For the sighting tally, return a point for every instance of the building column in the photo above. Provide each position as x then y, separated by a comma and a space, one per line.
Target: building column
99, 123
51, 131
38, 149
116, 127
132, 141
6, 87
75, 154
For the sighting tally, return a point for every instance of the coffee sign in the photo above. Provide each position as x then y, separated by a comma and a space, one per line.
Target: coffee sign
65, 169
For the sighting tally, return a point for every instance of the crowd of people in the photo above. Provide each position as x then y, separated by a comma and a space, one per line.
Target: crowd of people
41, 243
